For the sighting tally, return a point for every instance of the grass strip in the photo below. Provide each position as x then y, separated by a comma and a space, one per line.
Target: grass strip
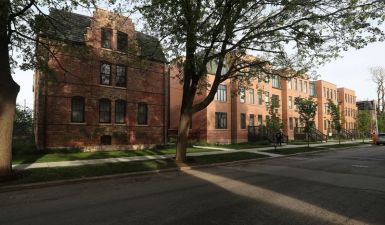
62, 173
70, 156
288, 151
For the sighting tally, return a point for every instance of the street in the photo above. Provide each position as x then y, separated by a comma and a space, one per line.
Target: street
332, 187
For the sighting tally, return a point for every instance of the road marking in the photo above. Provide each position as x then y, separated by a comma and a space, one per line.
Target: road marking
360, 166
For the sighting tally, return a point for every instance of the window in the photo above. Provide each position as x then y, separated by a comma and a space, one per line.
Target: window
77, 109
120, 76
275, 100
312, 88
220, 120
221, 94
325, 126
291, 123
327, 95
242, 97
305, 86
267, 97
243, 121
105, 140
290, 102
107, 38
259, 120
300, 86
335, 94
325, 92
296, 122
104, 111
295, 84
105, 73
120, 111
259, 97
122, 42
289, 83
251, 96
142, 113
275, 81
252, 121
346, 98
326, 108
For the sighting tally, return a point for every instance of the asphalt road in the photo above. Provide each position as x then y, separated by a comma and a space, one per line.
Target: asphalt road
341, 187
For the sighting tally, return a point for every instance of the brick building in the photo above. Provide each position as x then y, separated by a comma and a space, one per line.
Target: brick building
348, 107
105, 87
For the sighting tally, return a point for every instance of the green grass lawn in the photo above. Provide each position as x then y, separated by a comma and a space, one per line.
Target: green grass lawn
78, 155
288, 151
60, 173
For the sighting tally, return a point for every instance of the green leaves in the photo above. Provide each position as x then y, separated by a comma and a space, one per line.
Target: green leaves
307, 109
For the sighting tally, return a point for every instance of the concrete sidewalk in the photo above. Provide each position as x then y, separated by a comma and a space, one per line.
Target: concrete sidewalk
168, 156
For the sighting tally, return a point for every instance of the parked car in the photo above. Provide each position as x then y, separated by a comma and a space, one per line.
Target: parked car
380, 139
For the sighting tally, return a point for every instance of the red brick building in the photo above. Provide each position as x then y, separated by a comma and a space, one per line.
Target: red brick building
105, 86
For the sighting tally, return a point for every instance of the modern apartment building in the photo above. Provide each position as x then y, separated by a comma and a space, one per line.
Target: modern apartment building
348, 107
107, 85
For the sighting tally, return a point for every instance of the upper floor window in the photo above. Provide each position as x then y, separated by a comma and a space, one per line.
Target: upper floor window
105, 73
242, 96
107, 38
220, 120
221, 94
312, 88
77, 109
259, 97
122, 42
251, 96
104, 111
275, 81
142, 113
289, 83
120, 111
120, 76
275, 100
305, 86
325, 92
300, 85
267, 97
295, 84
290, 102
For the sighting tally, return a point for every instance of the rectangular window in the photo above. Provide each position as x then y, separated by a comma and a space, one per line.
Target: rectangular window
275, 100
296, 122
142, 113
291, 123
295, 84
252, 121
289, 83
221, 94
305, 86
300, 86
77, 109
275, 81
259, 97
105, 73
107, 38
335, 94
267, 97
327, 95
104, 111
122, 42
120, 76
243, 121
312, 89
251, 96
259, 120
290, 102
242, 96
120, 111
326, 108
325, 92
220, 120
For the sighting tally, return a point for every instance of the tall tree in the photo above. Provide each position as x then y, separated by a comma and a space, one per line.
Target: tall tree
292, 35
307, 108
378, 77
18, 35
363, 122
335, 115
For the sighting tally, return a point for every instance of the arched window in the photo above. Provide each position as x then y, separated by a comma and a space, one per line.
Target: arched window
142, 113
104, 111
120, 111
77, 109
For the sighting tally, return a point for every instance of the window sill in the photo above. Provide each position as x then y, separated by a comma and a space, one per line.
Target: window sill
118, 87
107, 124
105, 85
77, 123
142, 125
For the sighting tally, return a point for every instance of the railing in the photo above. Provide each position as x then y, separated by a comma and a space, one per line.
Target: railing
261, 133
314, 134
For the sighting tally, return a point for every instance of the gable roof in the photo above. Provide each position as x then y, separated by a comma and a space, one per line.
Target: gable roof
72, 27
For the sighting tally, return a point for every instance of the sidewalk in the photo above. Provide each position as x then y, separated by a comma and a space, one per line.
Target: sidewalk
169, 156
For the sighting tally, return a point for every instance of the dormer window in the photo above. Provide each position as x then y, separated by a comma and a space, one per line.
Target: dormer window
107, 38
122, 42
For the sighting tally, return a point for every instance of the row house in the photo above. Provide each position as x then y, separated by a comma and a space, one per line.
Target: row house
104, 88
348, 108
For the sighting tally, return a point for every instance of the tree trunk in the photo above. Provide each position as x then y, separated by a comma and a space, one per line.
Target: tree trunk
183, 131
8, 93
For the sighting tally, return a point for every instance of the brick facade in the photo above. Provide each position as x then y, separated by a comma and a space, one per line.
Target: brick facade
77, 74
